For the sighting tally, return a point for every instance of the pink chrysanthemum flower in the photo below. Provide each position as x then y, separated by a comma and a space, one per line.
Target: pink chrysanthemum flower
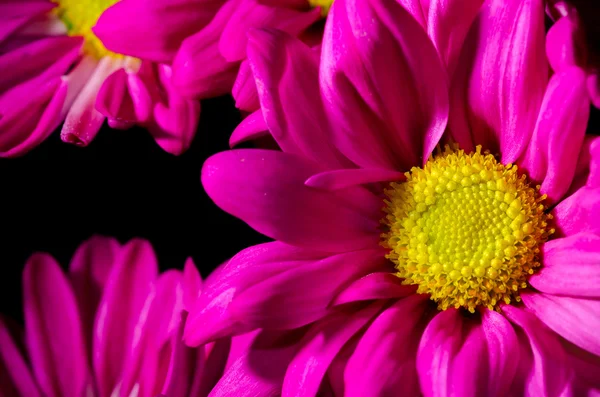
54, 69
212, 60
437, 228
111, 327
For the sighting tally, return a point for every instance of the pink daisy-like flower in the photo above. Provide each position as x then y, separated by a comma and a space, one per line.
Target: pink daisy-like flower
112, 326
54, 69
212, 60
437, 230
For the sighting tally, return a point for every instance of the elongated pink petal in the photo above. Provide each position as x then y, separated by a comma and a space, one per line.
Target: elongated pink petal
47, 52
114, 100
210, 317
250, 14
16, 14
385, 87
176, 117
286, 73
260, 371
129, 27
575, 319
215, 361
378, 285
571, 266
448, 22
340, 179
586, 365
266, 189
182, 365
384, 361
125, 294
543, 368
565, 43
199, 69
587, 172
88, 273
579, 212
244, 89
15, 375
53, 330
551, 158
318, 348
252, 127
303, 294
500, 79
453, 346
192, 284
83, 121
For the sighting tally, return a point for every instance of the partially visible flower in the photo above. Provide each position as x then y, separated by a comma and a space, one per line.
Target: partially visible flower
111, 326
54, 69
570, 41
436, 233
208, 61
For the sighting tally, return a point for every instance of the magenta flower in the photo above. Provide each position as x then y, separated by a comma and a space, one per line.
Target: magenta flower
436, 230
212, 60
111, 327
55, 69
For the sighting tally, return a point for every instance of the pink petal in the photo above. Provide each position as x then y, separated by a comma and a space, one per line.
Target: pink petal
16, 14
130, 27
587, 172
266, 189
341, 179
250, 128
453, 346
88, 274
251, 14
571, 266
176, 117
16, 68
259, 372
565, 43
378, 285
83, 121
125, 295
199, 69
113, 100
302, 295
575, 319
210, 317
53, 331
384, 361
542, 369
593, 84
586, 365
244, 89
448, 23
182, 365
32, 120
551, 157
15, 377
500, 79
579, 212
318, 348
384, 85
206, 377
192, 284
286, 73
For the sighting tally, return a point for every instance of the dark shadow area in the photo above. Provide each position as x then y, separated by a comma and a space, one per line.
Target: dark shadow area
121, 185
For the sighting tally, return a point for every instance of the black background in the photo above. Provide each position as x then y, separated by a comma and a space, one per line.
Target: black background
121, 185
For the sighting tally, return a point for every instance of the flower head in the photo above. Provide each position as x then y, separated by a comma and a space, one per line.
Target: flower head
59, 70
433, 205
112, 326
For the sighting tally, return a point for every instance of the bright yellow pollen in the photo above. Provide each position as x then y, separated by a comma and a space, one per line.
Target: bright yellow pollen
324, 4
466, 229
80, 16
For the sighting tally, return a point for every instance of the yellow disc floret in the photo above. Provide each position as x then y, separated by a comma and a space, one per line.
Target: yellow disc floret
466, 229
80, 16
324, 4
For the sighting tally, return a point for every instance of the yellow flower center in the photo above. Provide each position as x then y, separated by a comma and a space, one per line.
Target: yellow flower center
466, 229
324, 4
80, 16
